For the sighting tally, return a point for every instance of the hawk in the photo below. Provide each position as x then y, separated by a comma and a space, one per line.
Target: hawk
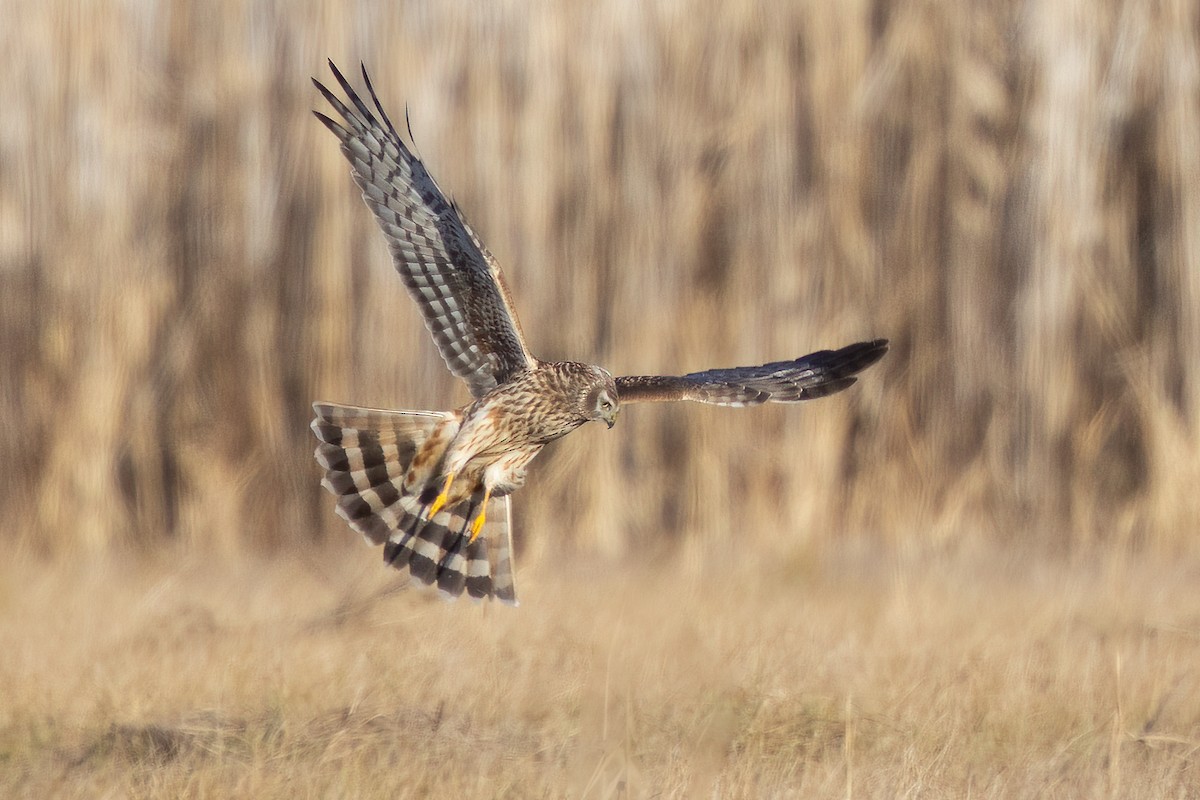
433, 487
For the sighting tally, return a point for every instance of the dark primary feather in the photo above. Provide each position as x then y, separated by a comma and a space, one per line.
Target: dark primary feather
447, 270
809, 377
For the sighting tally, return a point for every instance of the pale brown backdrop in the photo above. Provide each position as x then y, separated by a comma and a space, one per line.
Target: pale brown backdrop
1009, 191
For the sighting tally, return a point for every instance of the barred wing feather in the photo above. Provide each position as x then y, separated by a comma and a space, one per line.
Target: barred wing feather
815, 375
447, 270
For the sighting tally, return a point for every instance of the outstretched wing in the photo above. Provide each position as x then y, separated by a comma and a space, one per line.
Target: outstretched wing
807, 378
447, 270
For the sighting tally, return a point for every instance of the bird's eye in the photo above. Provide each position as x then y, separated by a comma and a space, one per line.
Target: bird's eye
606, 404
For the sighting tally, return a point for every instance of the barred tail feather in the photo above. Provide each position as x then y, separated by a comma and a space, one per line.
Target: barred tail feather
440, 551
365, 454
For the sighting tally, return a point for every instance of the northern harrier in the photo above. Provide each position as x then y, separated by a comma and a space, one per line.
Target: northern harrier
432, 487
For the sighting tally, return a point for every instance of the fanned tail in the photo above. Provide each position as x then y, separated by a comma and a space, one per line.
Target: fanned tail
441, 551
365, 453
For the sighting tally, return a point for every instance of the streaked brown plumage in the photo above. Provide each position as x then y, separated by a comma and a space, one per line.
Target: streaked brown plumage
433, 487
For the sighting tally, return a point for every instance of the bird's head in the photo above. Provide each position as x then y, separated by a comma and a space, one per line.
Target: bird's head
601, 401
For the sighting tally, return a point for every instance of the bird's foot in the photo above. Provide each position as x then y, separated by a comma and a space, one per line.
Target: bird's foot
440, 501
477, 525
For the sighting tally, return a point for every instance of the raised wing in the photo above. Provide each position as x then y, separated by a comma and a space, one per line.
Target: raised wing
807, 378
447, 270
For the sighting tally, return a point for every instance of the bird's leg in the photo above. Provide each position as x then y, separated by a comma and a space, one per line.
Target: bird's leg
441, 499
477, 523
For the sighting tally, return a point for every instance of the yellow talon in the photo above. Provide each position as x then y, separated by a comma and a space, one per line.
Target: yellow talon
441, 499
477, 523
477, 526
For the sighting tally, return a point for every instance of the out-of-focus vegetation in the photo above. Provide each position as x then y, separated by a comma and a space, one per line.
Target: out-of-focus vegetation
1009, 191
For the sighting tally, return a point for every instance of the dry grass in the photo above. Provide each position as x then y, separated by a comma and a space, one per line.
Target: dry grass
853, 674
987, 585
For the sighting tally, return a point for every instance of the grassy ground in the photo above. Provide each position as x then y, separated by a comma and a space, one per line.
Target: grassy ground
856, 673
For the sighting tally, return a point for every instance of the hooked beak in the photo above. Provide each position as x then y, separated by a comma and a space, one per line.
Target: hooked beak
611, 418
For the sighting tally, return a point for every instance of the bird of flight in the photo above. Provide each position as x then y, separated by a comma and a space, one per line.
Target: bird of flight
433, 486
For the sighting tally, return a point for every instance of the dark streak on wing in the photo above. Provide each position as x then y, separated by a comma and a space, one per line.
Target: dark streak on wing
815, 375
455, 281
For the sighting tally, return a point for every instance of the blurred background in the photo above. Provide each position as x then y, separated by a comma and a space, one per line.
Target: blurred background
1009, 191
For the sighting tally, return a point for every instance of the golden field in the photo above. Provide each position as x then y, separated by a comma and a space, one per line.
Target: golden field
970, 575
974, 674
